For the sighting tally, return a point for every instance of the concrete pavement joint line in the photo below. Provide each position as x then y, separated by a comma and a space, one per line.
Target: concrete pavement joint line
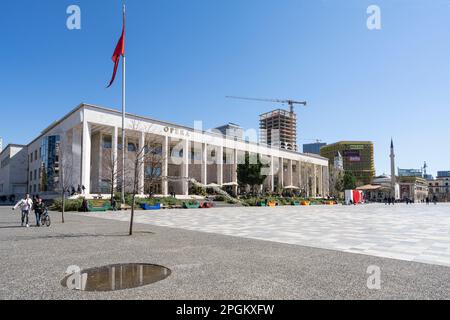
402, 232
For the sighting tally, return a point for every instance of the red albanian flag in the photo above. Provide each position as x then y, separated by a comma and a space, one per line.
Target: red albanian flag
119, 51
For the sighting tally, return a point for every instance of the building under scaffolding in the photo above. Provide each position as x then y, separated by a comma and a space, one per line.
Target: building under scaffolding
278, 128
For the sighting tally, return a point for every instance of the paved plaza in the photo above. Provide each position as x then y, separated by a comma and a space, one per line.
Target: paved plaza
227, 261
419, 232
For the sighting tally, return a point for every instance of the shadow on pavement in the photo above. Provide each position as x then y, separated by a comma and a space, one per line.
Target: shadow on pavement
80, 235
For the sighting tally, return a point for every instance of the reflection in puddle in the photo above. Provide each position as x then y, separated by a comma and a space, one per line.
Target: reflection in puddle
116, 277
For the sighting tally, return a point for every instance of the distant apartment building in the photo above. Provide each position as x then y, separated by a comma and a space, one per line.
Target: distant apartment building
413, 188
440, 187
410, 173
278, 128
443, 174
313, 148
358, 158
231, 130
13, 170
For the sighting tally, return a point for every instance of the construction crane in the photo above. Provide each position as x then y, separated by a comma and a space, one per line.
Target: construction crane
291, 103
315, 140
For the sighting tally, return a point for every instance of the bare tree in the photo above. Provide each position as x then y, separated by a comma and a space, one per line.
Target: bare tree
141, 156
110, 173
153, 160
65, 172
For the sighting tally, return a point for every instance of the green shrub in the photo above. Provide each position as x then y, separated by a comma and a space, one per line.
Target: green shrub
69, 205
220, 198
197, 190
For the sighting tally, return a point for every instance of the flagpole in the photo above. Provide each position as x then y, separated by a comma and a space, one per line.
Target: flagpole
123, 121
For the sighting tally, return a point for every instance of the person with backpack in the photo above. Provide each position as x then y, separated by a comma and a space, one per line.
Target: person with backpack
25, 205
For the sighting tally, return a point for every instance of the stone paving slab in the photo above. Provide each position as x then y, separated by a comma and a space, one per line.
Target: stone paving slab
407, 232
204, 265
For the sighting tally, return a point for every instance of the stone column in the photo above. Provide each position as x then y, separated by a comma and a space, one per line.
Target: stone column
281, 173
185, 167
272, 173
234, 174
204, 165
299, 172
219, 162
86, 158
314, 180
141, 167
290, 176
165, 166
77, 155
114, 155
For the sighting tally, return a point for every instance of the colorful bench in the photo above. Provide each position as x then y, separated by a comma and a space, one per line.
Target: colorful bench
187, 205
146, 206
93, 208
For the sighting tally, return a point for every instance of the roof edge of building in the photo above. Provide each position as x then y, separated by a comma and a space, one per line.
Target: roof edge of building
84, 105
9, 145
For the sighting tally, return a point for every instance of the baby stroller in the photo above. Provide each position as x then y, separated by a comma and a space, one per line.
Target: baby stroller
45, 218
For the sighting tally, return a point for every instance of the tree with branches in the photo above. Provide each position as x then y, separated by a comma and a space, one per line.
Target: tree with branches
110, 172
65, 168
139, 158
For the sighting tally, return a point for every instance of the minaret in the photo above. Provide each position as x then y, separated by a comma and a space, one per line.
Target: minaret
393, 178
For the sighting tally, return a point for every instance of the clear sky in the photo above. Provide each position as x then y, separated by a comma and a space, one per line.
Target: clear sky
184, 57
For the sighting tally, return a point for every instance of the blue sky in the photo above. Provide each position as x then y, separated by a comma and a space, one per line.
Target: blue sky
184, 57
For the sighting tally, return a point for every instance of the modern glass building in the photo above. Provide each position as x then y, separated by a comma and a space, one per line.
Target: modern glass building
313, 148
358, 158
49, 170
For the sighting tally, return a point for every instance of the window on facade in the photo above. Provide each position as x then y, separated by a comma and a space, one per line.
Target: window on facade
131, 147
153, 149
31, 175
35, 155
35, 174
34, 188
107, 142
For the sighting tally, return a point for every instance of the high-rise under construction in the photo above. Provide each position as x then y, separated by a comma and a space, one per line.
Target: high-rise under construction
278, 128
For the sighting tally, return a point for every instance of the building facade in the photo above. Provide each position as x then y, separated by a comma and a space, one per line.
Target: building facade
358, 158
87, 146
13, 171
413, 188
440, 187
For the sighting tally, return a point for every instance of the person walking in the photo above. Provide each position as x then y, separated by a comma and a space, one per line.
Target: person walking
25, 205
113, 204
39, 209
85, 205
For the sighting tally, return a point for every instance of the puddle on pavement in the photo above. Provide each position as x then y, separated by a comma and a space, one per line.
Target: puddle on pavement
116, 277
